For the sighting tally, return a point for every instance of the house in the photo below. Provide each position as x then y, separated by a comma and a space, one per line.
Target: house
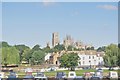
90, 58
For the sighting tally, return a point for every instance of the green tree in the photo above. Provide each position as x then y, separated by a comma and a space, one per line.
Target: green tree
90, 48
111, 55
69, 60
10, 55
21, 49
47, 49
30, 55
27, 56
36, 48
59, 47
101, 49
37, 57
70, 48
5, 44
118, 62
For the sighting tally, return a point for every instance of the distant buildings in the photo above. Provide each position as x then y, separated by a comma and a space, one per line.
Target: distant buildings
55, 39
68, 41
87, 58
79, 45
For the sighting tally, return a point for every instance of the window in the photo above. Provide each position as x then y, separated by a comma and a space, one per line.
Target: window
89, 57
71, 74
99, 58
83, 58
83, 62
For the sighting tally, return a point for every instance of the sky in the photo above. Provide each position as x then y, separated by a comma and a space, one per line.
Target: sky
32, 23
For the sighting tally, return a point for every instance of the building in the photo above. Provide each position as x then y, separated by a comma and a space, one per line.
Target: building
79, 45
87, 58
55, 39
68, 41
54, 59
90, 58
47, 57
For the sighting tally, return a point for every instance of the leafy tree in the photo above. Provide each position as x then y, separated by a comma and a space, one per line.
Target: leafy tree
69, 60
10, 55
36, 48
32, 55
70, 48
21, 49
37, 57
47, 49
101, 49
79, 49
5, 44
90, 48
27, 56
119, 45
118, 62
59, 47
111, 55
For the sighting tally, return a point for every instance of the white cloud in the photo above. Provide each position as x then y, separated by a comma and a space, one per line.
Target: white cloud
108, 7
48, 2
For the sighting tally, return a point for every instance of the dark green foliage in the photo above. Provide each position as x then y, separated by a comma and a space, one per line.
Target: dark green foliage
36, 48
111, 55
69, 60
21, 49
59, 47
118, 61
35, 56
101, 49
70, 48
5, 44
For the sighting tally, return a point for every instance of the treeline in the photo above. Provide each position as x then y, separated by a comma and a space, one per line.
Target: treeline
17, 54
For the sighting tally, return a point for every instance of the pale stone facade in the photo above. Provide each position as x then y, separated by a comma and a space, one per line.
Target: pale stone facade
55, 39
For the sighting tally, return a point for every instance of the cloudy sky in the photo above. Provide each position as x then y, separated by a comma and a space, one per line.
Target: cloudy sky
33, 23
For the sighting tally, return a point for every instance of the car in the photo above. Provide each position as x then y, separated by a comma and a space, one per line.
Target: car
95, 78
12, 75
100, 70
60, 75
111, 68
51, 69
40, 76
2, 75
86, 68
99, 74
28, 70
87, 75
28, 77
113, 75
71, 75
79, 78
